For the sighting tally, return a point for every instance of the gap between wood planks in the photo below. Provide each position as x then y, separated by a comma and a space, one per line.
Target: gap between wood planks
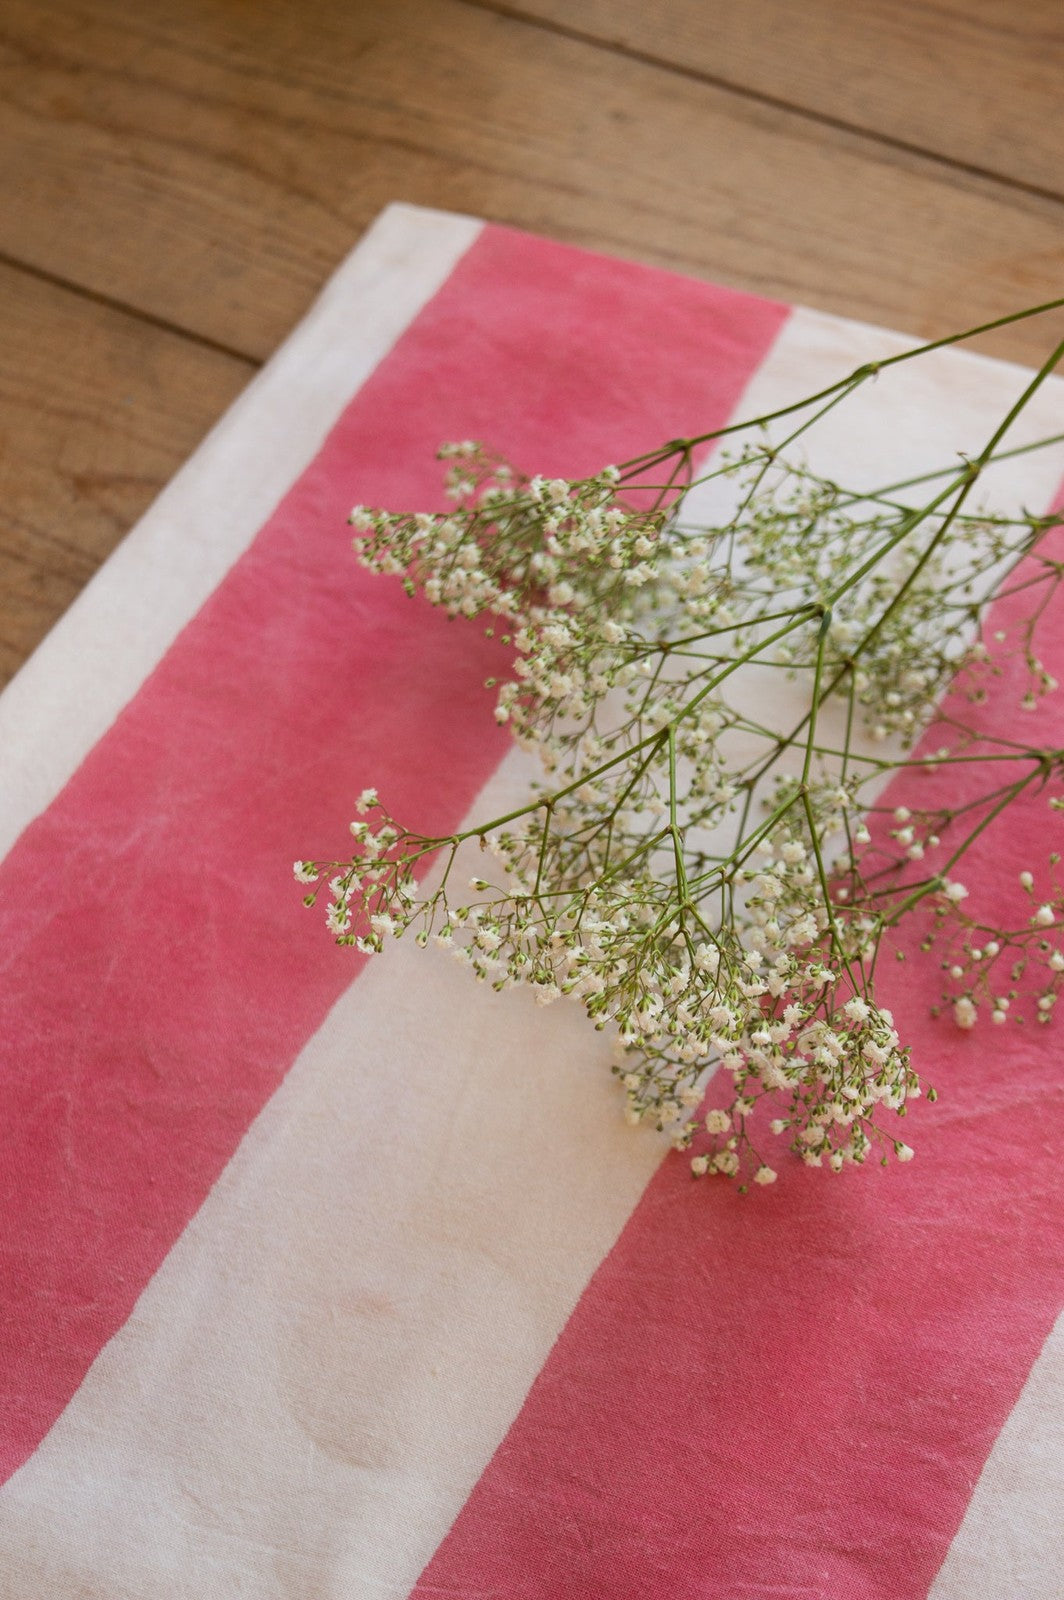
96, 297
793, 108
861, 133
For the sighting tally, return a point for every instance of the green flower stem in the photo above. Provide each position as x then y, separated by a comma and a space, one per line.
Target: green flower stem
1011, 793
483, 829
858, 376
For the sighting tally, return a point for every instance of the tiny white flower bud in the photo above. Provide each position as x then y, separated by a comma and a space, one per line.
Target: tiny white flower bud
965, 1012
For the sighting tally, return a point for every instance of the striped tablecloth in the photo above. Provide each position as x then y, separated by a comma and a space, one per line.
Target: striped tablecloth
327, 1278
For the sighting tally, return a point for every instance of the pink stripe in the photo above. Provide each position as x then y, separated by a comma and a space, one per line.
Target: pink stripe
159, 973
792, 1394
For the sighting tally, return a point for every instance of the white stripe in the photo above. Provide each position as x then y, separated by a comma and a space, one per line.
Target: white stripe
1010, 1545
96, 657
915, 417
315, 1379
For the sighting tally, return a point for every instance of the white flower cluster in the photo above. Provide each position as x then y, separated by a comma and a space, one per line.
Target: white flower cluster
1009, 974
812, 540
517, 547
702, 880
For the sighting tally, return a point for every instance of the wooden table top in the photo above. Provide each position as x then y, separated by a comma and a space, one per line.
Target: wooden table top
178, 179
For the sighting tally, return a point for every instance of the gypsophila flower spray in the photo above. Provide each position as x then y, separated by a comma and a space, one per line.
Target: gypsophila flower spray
712, 884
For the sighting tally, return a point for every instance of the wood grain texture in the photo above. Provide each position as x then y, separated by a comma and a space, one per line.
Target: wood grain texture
209, 162
192, 170
97, 412
978, 84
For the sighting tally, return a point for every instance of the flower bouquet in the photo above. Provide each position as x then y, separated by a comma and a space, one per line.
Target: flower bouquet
720, 660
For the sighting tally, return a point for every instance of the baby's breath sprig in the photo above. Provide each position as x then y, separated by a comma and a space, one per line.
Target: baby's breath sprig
712, 880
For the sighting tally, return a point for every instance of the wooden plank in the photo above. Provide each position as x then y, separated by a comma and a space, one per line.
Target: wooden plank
97, 411
209, 164
978, 84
